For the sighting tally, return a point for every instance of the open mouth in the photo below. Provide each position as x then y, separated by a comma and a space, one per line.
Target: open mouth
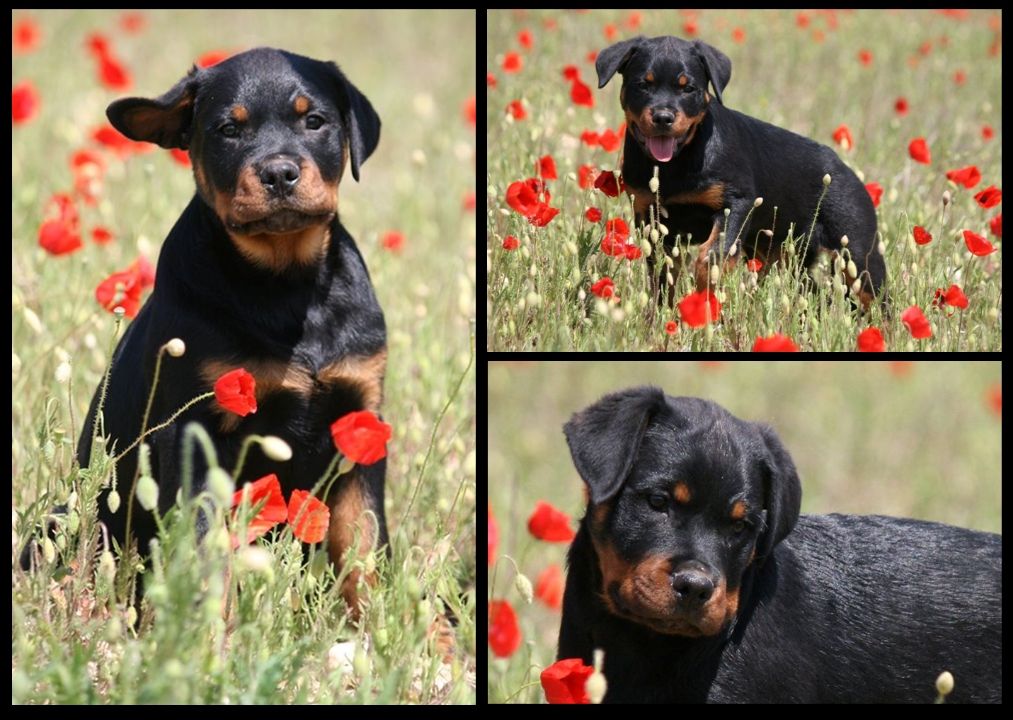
660, 147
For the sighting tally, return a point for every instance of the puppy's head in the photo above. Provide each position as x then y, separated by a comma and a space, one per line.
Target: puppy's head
665, 88
683, 498
269, 133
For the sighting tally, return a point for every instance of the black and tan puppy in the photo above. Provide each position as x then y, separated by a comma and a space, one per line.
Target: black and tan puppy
694, 572
257, 273
710, 158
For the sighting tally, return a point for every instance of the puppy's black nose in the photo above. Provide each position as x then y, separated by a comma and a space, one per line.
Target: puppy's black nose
692, 587
279, 176
663, 118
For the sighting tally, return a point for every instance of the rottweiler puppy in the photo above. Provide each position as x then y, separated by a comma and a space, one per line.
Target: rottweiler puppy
694, 572
709, 158
257, 273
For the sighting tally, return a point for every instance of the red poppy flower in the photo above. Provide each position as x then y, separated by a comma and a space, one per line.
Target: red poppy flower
916, 323
512, 62
989, 197
586, 175
580, 94
522, 196
24, 102
543, 216
101, 235
610, 140
606, 182
516, 110
308, 517
922, 236
549, 587
604, 288
361, 437
994, 397
977, 244
875, 191
954, 297
123, 288
504, 634
919, 151
25, 35
112, 73
995, 225
774, 343
699, 308
235, 392
213, 57
842, 136
547, 168
392, 240
549, 524
968, 177
86, 163
268, 503
616, 235
60, 231
564, 682
531, 199
871, 340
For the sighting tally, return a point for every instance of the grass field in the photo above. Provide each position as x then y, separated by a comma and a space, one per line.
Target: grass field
891, 78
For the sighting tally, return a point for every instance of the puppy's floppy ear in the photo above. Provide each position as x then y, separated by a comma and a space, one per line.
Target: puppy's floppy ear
782, 493
717, 64
359, 117
165, 120
604, 438
614, 58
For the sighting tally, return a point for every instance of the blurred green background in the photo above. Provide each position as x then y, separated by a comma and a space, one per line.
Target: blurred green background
912, 439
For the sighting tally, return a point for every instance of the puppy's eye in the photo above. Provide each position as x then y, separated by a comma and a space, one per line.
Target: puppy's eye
229, 130
689, 89
658, 500
738, 526
314, 122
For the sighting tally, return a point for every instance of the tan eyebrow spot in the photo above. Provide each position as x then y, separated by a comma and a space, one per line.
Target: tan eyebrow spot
739, 510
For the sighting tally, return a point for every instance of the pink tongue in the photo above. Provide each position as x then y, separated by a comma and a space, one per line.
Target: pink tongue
661, 148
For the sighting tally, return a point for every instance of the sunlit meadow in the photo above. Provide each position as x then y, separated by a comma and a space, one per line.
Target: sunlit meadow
910, 100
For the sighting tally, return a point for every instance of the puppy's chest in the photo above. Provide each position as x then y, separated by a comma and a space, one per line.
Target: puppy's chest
296, 389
